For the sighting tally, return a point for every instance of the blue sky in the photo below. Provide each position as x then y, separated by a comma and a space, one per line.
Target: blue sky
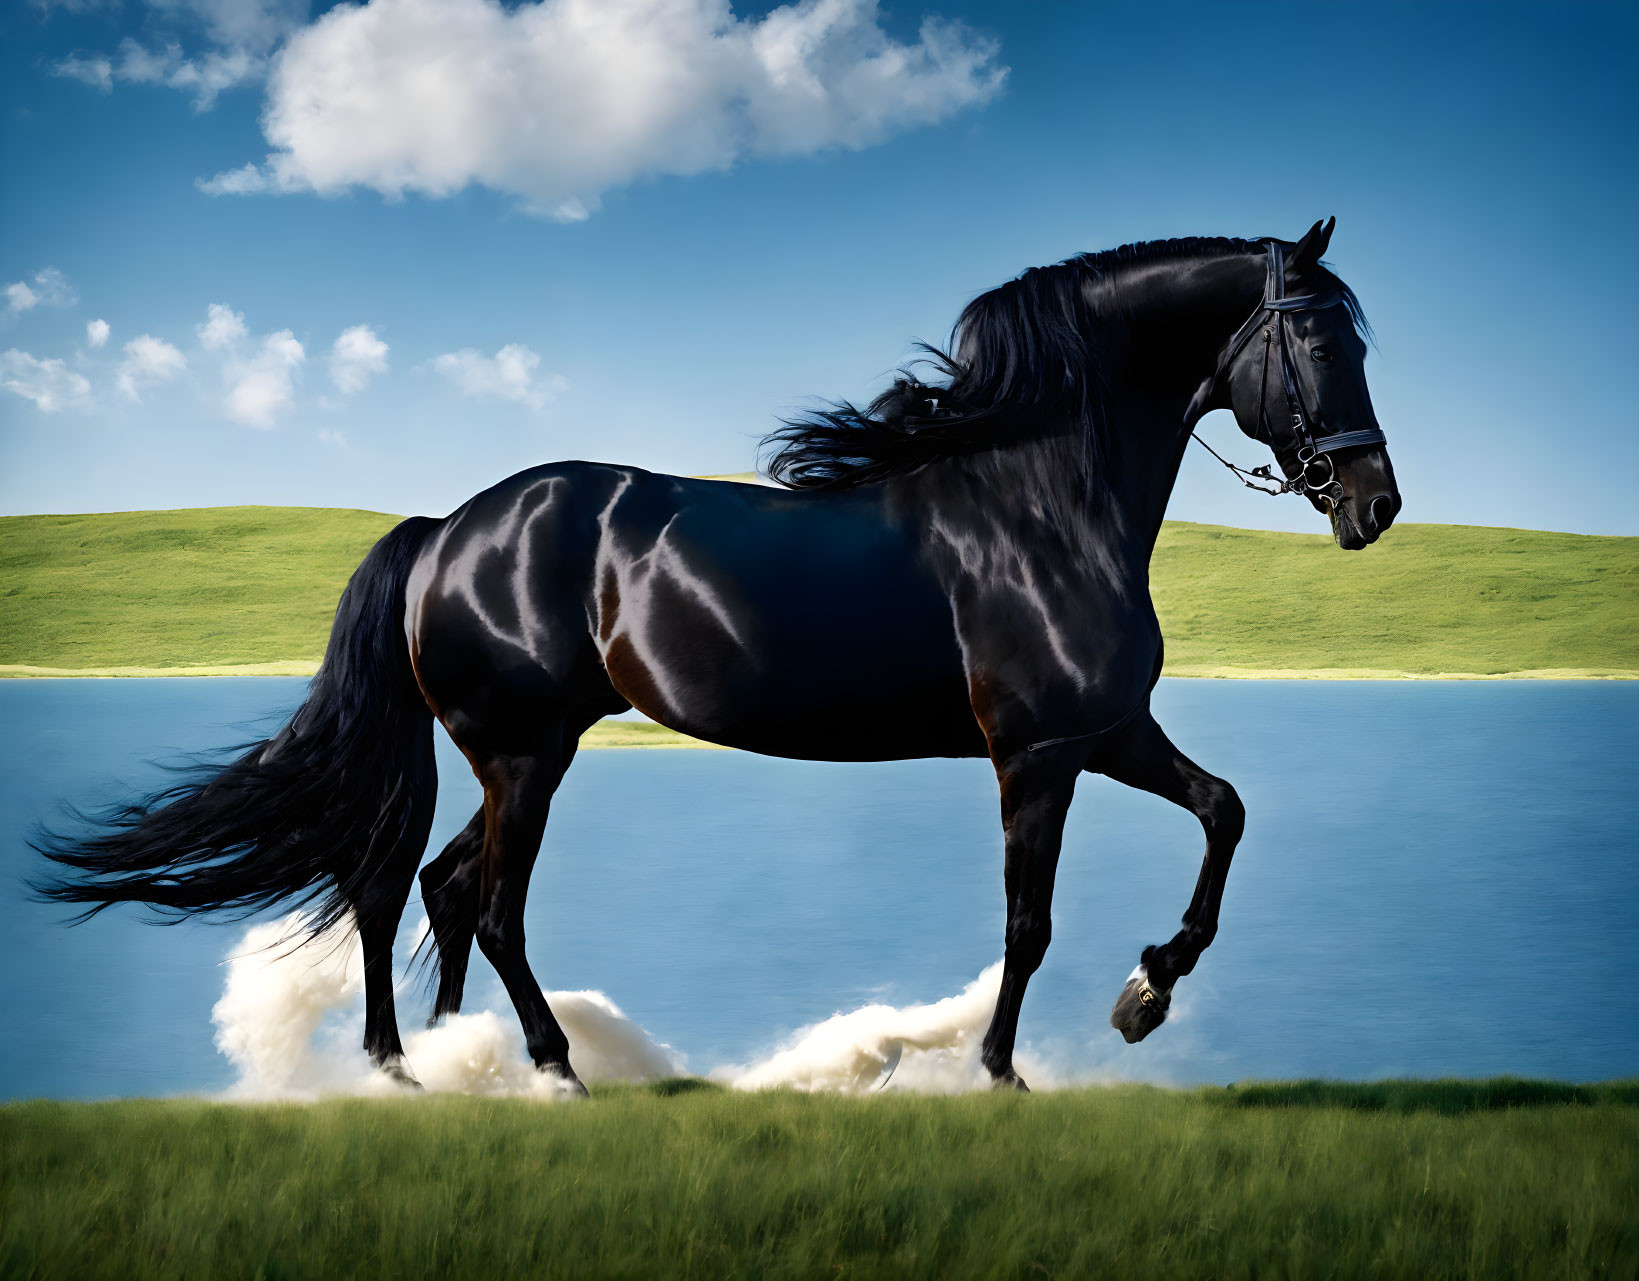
640, 239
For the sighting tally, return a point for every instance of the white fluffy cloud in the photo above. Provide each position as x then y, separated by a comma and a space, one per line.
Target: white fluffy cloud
148, 361
507, 375
264, 386
50, 384
223, 327
356, 355
558, 101
19, 297
48, 286
96, 333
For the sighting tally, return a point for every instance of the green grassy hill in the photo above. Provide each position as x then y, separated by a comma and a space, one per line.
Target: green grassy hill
239, 586
1426, 600
202, 587
1395, 1179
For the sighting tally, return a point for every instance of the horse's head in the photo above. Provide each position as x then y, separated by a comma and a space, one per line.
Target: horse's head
1295, 378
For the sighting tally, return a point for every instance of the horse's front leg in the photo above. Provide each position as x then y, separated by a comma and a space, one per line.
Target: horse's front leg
1035, 798
1145, 758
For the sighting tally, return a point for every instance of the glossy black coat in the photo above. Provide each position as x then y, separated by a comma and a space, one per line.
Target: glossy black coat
990, 600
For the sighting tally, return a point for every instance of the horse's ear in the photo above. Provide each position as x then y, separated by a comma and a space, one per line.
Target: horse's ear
1312, 248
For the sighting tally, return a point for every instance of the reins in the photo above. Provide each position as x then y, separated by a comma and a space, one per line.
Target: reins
1312, 449
1250, 476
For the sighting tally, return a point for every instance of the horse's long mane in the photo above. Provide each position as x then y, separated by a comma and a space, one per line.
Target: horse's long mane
1022, 358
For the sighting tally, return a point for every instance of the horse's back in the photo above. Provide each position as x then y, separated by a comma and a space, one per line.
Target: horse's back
791, 623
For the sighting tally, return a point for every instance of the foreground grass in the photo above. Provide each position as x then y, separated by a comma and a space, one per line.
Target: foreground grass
1445, 1179
238, 586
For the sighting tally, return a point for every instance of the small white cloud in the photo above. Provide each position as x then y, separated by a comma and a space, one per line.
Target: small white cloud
205, 76
507, 375
223, 327
98, 72
245, 181
334, 439
148, 361
357, 354
261, 388
96, 333
54, 288
49, 286
50, 384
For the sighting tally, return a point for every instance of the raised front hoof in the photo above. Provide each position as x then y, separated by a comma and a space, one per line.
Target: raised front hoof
398, 1072
1009, 1080
1140, 1009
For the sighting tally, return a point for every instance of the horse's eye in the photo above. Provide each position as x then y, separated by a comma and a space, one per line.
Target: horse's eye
1321, 355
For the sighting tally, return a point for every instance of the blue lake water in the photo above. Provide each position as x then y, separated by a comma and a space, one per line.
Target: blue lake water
1437, 878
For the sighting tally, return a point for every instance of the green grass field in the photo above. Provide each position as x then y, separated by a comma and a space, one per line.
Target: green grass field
1424, 1180
249, 587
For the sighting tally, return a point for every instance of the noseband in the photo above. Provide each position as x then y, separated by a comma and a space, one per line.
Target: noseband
1314, 445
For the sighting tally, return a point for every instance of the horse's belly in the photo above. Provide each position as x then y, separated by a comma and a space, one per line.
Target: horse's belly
881, 731
824, 701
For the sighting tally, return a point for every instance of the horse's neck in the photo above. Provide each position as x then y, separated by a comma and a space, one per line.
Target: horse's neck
1105, 512
1176, 322
1146, 451
1053, 498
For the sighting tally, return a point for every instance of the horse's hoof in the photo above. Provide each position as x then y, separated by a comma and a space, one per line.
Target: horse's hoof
1010, 1080
1140, 1008
397, 1071
564, 1078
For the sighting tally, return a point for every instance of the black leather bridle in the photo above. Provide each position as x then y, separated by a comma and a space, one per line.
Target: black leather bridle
1312, 444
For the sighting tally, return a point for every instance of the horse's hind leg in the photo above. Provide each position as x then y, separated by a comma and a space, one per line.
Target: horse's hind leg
1146, 759
377, 931
378, 907
377, 911
517, 797
449, 889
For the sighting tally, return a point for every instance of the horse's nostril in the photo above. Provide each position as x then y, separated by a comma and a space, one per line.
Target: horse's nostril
1382, 512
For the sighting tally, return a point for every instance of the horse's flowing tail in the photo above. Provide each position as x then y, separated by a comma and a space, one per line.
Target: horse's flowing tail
315, 814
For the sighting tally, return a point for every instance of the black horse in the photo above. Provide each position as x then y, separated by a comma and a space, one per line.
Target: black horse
959, 570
